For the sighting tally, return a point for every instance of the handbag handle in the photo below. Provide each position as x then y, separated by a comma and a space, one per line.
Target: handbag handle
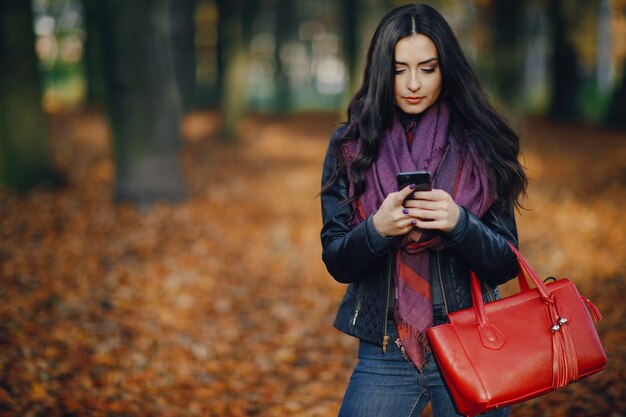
526, 272
490, 336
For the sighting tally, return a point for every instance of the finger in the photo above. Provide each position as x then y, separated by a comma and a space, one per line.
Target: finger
436, 220
406, 192
429, 224
422, 195
432, 195
416, 212
424, 204
409, 218
426, 215
409, 225
427, 206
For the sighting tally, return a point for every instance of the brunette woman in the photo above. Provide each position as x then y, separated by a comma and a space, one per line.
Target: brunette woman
407, 254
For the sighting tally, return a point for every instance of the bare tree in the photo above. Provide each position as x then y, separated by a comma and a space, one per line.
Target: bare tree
143, 102
24, 150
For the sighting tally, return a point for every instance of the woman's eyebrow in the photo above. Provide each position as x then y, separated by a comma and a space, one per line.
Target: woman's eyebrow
426, 61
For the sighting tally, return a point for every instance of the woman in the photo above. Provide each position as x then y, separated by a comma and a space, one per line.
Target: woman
407, 254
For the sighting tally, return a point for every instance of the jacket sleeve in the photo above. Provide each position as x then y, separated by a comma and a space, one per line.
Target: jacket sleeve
483, 244
348, 252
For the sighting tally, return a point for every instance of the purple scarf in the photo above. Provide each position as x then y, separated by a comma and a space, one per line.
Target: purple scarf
456, 169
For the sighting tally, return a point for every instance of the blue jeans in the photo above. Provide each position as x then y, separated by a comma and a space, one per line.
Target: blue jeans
387, 385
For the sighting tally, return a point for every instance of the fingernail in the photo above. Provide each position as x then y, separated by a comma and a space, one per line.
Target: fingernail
412, 186
413, 222
405, 211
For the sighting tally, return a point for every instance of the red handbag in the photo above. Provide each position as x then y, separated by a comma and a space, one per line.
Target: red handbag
520, 347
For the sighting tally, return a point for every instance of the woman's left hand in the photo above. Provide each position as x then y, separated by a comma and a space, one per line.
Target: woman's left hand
433, 210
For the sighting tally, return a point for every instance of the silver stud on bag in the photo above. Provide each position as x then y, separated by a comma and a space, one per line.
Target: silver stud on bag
555, 328
563, 321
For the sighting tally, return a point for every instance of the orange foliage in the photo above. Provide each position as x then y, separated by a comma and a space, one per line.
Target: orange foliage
220, 306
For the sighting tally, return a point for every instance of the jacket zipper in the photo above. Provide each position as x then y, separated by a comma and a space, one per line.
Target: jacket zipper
359, 301
443, 292
385, 336
356, 313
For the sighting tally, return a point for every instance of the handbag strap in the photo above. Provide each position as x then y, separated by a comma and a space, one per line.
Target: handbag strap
525, 274
491, 337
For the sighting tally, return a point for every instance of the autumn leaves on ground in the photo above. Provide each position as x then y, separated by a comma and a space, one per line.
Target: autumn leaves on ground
220, 306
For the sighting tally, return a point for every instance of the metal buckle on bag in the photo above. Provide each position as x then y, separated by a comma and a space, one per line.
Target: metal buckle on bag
556, 327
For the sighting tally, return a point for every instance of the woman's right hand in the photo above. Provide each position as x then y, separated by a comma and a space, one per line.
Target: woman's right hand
392, 218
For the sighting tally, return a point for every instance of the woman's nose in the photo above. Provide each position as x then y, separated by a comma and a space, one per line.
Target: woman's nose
414, 83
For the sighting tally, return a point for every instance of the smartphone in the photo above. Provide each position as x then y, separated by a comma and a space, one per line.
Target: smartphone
421, 179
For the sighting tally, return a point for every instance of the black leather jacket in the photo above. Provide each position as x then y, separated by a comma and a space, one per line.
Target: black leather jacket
362, 258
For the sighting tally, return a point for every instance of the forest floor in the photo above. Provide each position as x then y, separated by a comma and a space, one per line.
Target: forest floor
220, 306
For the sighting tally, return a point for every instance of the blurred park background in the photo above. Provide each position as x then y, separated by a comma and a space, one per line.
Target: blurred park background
159, 168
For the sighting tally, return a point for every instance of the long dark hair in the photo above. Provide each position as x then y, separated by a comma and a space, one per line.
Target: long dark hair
372, 108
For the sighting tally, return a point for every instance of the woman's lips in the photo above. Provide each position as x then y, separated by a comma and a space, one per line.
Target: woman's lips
413, 99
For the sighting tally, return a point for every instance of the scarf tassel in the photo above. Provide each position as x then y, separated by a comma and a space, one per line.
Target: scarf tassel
422, 341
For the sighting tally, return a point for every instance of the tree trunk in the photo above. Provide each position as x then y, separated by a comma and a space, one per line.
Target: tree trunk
617, 111
349, 25
507, 34
359, 23
94, 72
24, 151
143, 100
182, 22
284, 21
565, 72
232, 64
604, 55
205, 42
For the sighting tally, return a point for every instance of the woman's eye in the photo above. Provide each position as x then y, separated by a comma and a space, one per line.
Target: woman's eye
399, 70
429, 70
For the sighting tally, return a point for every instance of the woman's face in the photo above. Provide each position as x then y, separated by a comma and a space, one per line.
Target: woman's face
418, 76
